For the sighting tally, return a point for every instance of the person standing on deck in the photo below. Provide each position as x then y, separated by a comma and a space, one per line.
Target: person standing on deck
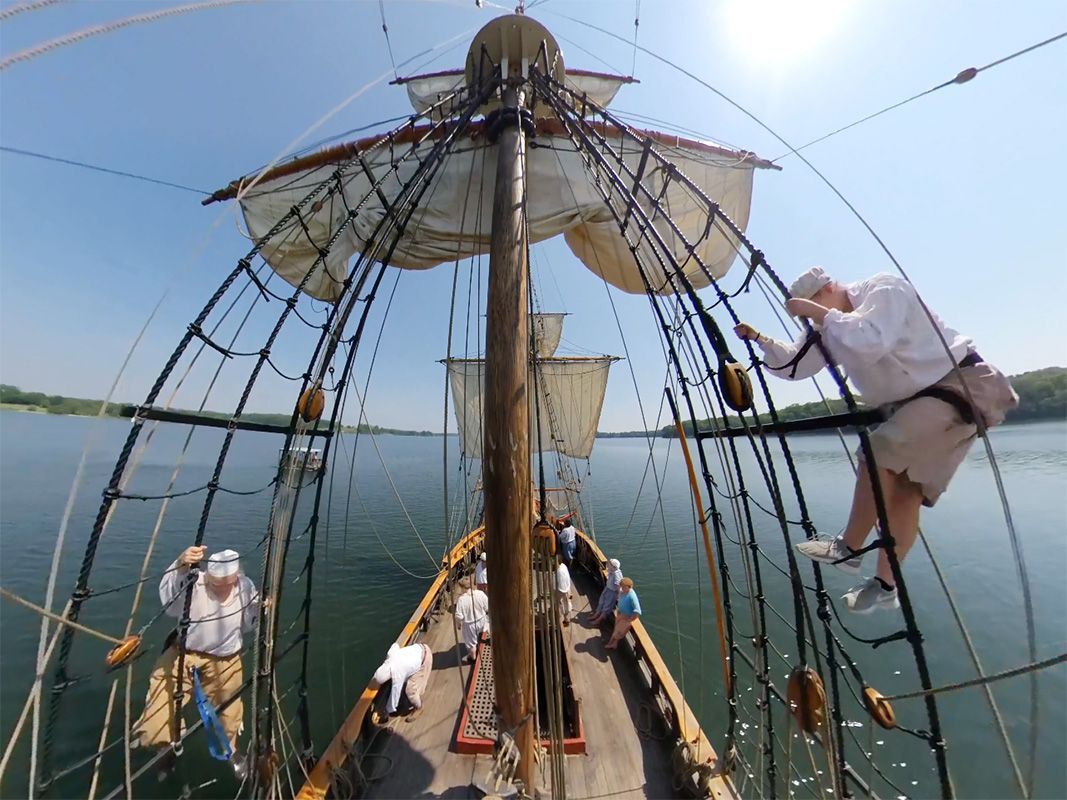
409, 670
568, 542
610, 596
562, 583
481, 574
472, 616
224, 603
628, 611
879, 332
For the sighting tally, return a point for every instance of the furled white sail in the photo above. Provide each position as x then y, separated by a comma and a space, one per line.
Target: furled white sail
571, 392
548, 328
452, 220
424, 91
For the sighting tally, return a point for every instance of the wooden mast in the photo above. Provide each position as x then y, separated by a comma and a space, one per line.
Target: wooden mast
505, 444
501, 55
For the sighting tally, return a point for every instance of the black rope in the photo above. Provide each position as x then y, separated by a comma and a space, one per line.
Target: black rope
96, 168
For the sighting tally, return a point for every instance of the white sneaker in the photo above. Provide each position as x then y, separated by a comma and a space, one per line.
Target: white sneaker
870, 596
830, 550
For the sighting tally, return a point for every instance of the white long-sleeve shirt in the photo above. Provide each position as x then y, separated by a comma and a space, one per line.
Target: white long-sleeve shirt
472, 607
214, 627
886, 345
481, 573
402, 663
568, 534
562, 579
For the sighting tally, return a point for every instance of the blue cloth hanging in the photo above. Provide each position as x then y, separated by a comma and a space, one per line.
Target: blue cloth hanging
218, 743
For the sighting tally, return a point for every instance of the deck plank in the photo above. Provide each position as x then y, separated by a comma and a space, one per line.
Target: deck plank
418, 761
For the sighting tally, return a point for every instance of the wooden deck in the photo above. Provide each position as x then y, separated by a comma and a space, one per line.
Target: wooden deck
620, 762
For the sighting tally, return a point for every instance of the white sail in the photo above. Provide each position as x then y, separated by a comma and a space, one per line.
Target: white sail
452, 220
547, 328
424, 91
571, 397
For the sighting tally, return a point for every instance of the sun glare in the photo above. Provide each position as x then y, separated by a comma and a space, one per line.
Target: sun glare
782, 32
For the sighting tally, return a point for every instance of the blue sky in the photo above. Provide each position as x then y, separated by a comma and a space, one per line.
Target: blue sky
966, 185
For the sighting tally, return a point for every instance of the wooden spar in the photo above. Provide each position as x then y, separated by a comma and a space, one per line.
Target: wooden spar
506, 445
341, 153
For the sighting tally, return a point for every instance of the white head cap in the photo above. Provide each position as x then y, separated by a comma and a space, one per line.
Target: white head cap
481, 557
223, 564
615, 563
809, 282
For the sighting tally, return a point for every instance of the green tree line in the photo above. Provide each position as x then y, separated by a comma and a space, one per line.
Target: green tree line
1042, 395
13, 396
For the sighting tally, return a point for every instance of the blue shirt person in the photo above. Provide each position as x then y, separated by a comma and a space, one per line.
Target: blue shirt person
628, 612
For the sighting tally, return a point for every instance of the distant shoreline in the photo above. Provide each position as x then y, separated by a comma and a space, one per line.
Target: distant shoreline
24, 409
1042, 398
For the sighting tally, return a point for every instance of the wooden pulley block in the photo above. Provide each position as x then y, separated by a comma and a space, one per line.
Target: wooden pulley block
735, 386
729, 759
311, 403
124, 651
543, 539
807, 698
266, 765
879, 708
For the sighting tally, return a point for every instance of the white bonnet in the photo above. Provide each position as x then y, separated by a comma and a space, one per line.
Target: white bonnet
223, 564
809, 282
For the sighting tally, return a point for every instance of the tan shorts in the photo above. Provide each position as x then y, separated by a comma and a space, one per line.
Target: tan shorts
926, 439
416, 684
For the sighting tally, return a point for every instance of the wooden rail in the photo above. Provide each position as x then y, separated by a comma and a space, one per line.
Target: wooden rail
661, 681
337, 752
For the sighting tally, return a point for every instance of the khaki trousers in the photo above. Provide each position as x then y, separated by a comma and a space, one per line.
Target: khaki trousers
416, 684
221, 678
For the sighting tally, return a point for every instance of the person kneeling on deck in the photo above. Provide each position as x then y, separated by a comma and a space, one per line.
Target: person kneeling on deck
568, 541
562, 584
481, 574
223, 604
879, 332
628, 611
409, 670
472, 615
610, 596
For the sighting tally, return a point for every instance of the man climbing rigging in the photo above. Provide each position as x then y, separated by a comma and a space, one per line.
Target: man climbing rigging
878, 331
224, 603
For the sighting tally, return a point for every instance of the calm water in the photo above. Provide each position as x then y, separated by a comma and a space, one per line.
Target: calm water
362, 598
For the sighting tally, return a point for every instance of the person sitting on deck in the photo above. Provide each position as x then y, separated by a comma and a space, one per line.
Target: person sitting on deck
472, 614
223, 604
568, 542
879, 331
628, 611
610, 596
481, 574
562, 584
409, 670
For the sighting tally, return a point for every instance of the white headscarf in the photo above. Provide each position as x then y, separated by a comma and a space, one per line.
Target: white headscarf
615, 563
224, 564
809, 282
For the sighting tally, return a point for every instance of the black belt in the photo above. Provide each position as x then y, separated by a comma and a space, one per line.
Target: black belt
962, 406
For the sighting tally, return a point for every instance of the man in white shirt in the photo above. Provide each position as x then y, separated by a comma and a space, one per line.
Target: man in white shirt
472, 615
224, 604
609, 597
409, 670
481, 574
878, 331
562, 582
568, 542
